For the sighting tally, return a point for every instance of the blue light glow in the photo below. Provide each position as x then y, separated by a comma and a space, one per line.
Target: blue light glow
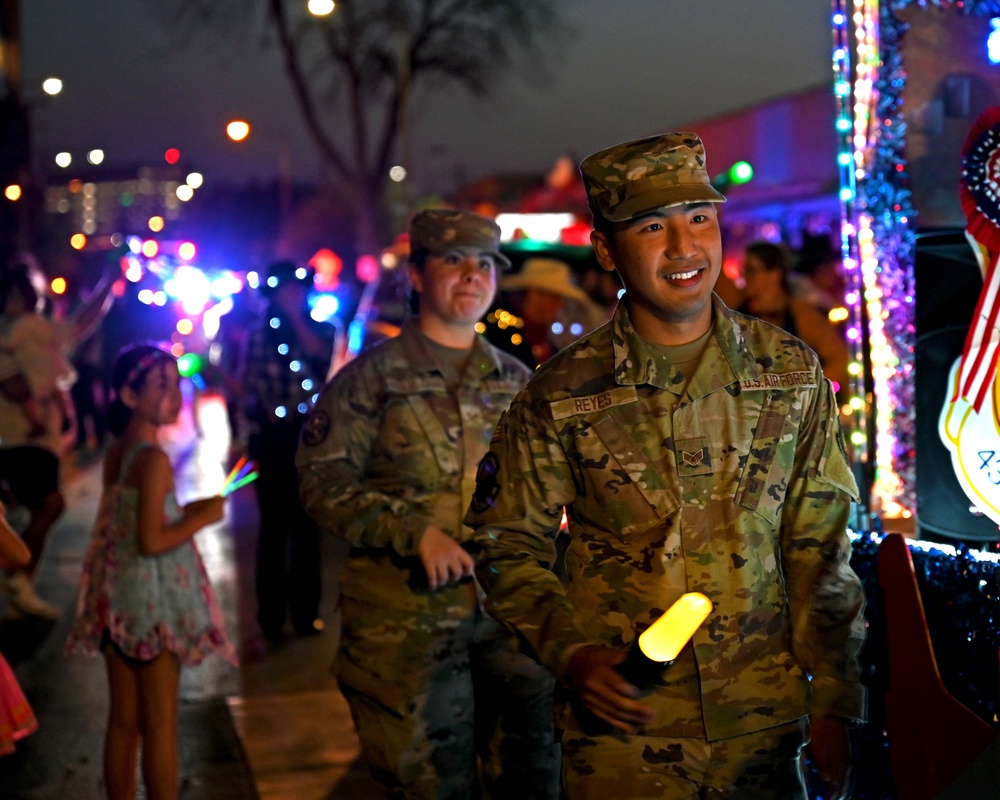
993, 42
324, 306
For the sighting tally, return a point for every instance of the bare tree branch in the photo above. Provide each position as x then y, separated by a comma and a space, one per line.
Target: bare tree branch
361, 65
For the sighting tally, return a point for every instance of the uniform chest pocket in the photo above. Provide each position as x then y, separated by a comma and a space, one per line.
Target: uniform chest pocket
764, 479
413, 439
624, 477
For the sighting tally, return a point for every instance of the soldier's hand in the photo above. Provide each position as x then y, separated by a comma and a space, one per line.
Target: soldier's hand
830, 753
443, 558
592, 675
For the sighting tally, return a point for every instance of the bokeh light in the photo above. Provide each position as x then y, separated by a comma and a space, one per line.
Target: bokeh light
321, 8
238, 130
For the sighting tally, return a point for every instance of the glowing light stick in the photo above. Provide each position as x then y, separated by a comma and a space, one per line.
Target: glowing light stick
659, 645
239, 484
235, 471
239, 476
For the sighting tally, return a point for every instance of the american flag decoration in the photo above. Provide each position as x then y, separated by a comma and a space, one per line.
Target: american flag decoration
979, 190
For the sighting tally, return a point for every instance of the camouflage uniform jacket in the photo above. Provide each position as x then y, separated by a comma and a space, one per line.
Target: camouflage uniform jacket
387, 451
746, 482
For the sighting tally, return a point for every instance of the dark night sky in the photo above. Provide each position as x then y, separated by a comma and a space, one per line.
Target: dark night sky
633, 67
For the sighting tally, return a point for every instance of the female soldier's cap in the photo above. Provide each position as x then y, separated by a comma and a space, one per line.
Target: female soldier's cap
439, 229
656, 172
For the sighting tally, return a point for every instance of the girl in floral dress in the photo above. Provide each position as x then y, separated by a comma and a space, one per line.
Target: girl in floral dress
145, 601
17, 719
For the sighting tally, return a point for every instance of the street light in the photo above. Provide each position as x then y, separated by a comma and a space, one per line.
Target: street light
238, 130
52, 86
320, 8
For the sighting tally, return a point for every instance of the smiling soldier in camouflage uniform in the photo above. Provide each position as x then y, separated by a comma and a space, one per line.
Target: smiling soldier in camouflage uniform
388, 462
694, 449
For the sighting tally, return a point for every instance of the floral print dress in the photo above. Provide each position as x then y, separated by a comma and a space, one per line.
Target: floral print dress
144, 604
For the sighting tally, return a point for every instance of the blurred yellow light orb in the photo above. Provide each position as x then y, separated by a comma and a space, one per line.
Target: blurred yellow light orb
321, 8
238, 130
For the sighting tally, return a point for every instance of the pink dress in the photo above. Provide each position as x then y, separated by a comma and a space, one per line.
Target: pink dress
16, 717
144, 604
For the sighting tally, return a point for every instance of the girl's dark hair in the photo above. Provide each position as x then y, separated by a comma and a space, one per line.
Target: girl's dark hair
16, 279
132, 364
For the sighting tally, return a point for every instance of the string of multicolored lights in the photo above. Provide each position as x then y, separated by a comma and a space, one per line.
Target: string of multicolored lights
877, 248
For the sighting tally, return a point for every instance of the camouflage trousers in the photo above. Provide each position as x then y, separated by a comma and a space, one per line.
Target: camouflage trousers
764, 765
481, 727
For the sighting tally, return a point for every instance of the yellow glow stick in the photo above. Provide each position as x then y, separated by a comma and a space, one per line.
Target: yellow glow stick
665, 638
659, 645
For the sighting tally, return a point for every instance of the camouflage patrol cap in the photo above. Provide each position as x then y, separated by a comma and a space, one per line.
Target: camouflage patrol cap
656, 172
438, 229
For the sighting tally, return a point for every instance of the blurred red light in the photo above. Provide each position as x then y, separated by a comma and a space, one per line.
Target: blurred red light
172, 156
366, 268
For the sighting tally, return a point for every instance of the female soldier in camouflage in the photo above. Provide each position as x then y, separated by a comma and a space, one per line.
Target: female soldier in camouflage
388, 461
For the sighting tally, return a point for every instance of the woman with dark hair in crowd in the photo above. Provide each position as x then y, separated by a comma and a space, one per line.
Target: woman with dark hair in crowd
768, 295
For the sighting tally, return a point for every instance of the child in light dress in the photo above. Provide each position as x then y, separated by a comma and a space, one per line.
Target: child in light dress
145, 601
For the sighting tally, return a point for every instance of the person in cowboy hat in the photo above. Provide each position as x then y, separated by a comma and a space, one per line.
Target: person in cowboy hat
692, 449
285, 364
388, 462
555, 310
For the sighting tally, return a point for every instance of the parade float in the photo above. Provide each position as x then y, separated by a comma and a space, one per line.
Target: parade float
918, 98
